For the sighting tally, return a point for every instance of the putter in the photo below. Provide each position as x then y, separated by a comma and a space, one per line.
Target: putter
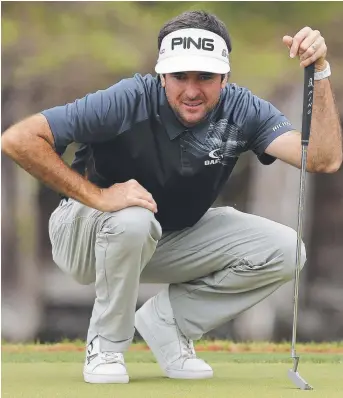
305, 136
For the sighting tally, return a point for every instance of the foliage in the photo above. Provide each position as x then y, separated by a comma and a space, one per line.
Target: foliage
119, 38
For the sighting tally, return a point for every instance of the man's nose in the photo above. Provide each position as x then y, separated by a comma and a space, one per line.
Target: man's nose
192, 89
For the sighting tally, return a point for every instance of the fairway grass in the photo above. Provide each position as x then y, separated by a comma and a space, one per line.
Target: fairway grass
35, 372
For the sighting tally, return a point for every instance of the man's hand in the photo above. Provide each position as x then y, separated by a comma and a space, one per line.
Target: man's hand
325, 146
126, 194
309, 45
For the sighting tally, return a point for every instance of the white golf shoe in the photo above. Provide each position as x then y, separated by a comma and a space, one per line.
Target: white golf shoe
104, 367
173, 351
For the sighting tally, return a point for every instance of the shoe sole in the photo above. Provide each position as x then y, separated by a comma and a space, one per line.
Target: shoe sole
104, 379
149, 338
182, 374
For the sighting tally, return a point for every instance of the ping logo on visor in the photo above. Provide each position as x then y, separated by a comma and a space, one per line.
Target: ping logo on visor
193, 50
187, 42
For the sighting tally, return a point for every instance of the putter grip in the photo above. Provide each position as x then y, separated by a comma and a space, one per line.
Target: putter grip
307, 104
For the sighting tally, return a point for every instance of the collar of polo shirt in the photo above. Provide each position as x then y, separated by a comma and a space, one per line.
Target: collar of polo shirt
173, 125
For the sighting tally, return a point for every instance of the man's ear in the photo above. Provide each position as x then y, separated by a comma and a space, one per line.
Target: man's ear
163, 80
225, 80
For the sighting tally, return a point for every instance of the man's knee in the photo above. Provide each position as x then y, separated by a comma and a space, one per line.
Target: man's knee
287, 243
135, 223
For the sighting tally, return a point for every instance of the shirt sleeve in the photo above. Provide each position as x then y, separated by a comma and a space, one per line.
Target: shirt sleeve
264, 123
97, 117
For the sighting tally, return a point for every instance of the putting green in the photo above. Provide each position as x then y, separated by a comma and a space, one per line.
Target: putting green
30, 373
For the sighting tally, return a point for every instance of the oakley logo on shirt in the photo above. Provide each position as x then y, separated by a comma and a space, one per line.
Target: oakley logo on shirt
213, 154
216, 157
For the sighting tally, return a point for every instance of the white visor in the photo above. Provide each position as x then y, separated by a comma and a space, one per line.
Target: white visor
193, 50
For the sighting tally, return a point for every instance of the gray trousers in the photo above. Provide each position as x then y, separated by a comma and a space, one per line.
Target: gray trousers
220, 267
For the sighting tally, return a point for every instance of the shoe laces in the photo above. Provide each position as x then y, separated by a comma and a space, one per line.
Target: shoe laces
187, 347
112, 357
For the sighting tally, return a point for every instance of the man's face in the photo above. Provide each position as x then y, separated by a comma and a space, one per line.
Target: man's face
192, 95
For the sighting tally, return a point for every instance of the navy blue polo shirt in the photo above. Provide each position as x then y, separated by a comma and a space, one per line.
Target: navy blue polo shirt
129, 131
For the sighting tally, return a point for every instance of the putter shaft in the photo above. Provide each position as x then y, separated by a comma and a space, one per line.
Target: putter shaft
298, 252
292, 373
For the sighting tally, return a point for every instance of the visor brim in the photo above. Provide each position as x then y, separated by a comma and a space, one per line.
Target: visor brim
192, 63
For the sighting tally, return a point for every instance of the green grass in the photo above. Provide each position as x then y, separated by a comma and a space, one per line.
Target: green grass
47, 372
147, 357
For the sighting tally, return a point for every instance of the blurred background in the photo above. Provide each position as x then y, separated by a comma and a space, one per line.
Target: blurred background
55, 52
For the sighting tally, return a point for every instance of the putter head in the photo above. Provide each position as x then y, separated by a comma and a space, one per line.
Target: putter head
298, 380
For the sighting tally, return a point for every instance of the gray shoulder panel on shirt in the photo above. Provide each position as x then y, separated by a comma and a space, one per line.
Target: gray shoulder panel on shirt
100, 116
259, 121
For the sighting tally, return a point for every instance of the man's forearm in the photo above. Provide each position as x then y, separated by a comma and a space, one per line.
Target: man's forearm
35, 155
325, 146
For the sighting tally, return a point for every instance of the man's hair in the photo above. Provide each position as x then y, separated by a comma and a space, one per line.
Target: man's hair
196, 20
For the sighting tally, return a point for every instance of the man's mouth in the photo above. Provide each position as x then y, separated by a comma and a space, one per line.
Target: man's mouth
192, 104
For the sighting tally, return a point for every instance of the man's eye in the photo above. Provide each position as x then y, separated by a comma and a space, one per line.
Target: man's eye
206, 77
179, 76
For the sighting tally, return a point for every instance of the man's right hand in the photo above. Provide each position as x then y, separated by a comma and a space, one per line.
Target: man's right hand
31, 144
126, 194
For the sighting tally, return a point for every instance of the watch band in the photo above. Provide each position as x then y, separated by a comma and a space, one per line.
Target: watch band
324, 73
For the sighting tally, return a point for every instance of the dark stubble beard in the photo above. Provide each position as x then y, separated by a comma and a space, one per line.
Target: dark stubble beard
208, 108
177, 113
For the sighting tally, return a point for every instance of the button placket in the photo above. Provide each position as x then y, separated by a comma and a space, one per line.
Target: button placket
186, 165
